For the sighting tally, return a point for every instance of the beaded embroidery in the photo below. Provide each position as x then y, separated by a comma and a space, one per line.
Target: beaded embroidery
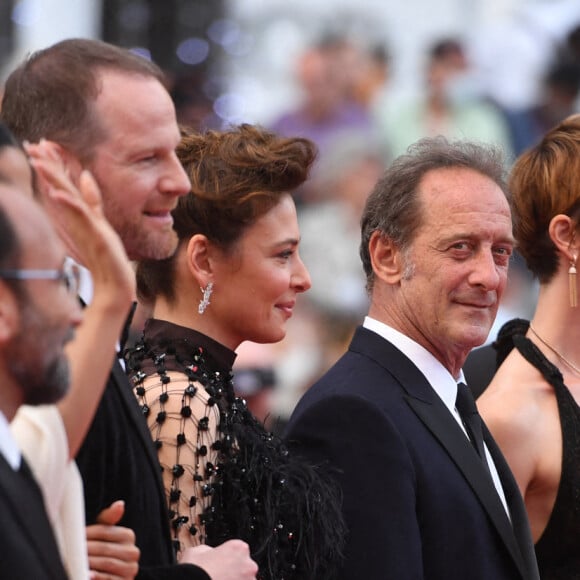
184, 510
246, 483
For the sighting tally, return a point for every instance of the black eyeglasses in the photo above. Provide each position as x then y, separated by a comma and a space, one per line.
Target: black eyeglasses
69, 275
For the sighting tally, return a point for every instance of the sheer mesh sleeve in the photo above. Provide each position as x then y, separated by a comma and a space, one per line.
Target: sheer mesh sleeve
183, 421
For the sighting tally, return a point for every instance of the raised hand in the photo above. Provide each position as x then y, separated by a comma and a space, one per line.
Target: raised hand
77, 213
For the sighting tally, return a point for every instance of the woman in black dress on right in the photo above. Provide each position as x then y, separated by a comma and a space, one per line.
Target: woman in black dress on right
531, 406
236, 276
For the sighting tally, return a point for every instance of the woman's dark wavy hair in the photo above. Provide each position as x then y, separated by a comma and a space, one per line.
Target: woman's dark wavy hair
236, 177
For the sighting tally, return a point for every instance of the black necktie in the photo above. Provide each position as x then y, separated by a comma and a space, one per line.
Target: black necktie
465, 404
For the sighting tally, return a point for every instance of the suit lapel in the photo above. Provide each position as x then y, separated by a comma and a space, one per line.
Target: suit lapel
129, 401
431, 410
519, 516
20, 493
446, 430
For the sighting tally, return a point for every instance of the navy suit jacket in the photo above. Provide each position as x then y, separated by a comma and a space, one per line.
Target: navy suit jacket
417, 500
28, 548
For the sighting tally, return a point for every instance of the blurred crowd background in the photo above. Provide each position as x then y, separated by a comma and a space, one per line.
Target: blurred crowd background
363, 80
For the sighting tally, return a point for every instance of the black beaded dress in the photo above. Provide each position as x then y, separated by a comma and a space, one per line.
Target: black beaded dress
227, 476
558, 549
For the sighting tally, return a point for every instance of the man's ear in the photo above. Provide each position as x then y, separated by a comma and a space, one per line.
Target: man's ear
9, 313
562, 231
199, 259
386, 258
72, 163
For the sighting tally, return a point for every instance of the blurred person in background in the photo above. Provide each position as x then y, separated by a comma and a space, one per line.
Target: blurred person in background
256, 378
558, 100
370, 75
452, 105
330, 231
336, 92
193, 108
331, 226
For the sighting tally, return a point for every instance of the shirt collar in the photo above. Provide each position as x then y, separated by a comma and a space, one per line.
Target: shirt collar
8, 446
440, 379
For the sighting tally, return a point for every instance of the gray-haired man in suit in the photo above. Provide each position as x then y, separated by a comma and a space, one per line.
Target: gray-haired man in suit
425, 496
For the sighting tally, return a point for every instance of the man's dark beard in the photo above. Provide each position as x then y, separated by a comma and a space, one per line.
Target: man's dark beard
45, 387
41, 381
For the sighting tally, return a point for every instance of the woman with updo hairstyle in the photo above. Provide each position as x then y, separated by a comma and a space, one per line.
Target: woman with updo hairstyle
531, 406
236, 276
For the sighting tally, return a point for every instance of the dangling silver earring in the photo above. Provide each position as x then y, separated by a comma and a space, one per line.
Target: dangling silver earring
204, 302
572, 282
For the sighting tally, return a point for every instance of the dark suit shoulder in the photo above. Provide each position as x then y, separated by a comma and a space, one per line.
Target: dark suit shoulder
29, 548
342, 424
401, 459
379, 378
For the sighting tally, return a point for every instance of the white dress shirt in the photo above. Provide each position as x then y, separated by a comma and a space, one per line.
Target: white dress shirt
440, 379
8, 446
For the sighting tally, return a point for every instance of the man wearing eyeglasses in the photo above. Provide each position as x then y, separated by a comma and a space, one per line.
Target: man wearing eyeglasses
38, 313
106, 110
68, 275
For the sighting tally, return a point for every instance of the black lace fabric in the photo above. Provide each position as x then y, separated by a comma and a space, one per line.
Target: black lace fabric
226, 476
557, 549
183, 424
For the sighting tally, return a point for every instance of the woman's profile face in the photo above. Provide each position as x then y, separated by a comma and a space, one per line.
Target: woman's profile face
15, 168
256, 285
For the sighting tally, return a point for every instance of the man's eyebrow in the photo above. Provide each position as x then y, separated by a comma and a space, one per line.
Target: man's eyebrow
468, 235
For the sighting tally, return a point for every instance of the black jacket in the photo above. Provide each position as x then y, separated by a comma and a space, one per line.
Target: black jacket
28, 547
417, 500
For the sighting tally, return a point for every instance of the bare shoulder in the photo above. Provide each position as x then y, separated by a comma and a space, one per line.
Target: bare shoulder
515, 405
519, 408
